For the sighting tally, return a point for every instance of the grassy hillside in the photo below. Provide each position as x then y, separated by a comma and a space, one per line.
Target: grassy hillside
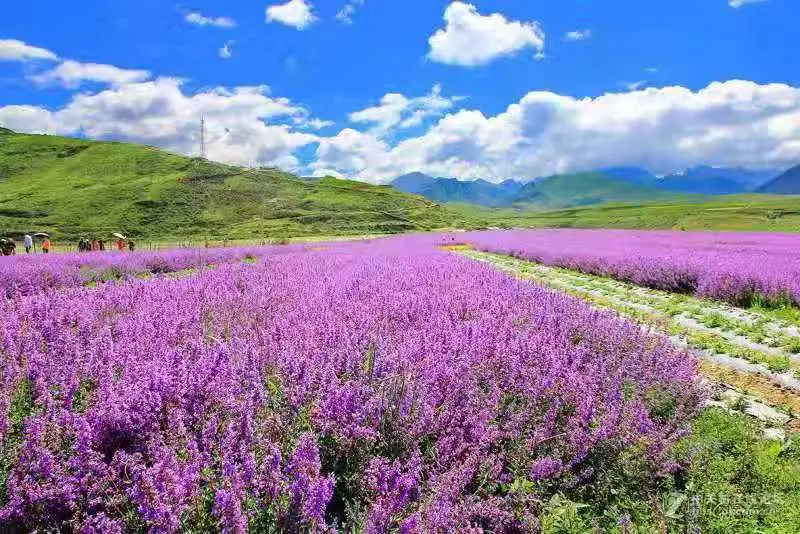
583, 189
74, 187
754, 213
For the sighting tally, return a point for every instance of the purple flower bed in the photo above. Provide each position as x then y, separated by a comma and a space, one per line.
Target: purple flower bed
28, 275
383, 386
738, 268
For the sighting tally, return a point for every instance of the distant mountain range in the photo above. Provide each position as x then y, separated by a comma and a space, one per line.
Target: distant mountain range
583, 189
618, 184
701, 180
552, 192
451, 190
787, 183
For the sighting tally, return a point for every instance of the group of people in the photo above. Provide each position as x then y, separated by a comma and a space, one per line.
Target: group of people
95, 245
8, 247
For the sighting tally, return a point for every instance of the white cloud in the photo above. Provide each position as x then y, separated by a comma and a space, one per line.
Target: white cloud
634, 86
734, 123
295, 13
353, 153
469, 38
345, 14
739, 3
202, 20
578, 35
73, 73
226, 52
397, 110
28, 119
14, 50
243, 124
318, 124
322, 173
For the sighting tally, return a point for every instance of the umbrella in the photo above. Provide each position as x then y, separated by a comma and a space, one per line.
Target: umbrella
41, 234
118, 235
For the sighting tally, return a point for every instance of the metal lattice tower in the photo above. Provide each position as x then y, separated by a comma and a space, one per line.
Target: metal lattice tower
203, 137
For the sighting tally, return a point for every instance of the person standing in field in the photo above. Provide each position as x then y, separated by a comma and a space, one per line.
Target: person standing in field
121, 245
46, 245
27, 242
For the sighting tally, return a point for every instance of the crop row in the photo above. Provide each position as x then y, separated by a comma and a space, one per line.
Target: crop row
721, 339
738, 268
376, 386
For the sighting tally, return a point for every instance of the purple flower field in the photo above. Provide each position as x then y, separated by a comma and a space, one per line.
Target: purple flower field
377, 386
738, 268
31, 274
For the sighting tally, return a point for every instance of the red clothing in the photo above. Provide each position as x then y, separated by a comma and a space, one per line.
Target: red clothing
121, 244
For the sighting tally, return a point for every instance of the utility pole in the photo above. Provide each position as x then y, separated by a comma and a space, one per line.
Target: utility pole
202, 137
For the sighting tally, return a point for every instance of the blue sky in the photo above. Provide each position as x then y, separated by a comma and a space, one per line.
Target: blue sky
488, 88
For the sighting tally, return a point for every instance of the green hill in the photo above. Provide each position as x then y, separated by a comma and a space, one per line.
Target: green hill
582, 189
745, 213
73, 187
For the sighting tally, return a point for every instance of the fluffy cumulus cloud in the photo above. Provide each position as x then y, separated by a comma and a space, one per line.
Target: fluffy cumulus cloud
199, 19
74, 73
29, 119
734, 123
345, 14
578, 35
245, 125
398, 111
14, 50
354, 154
469, 38
295, 13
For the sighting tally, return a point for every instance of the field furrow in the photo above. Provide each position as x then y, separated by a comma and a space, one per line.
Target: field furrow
744, 350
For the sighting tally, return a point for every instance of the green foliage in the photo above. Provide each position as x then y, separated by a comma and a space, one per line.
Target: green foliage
84, 396
563, 516
22, 407
742, 482
200, 516
719, 345
730, 480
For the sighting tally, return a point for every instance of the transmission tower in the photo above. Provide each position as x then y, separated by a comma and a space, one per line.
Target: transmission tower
203, 137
